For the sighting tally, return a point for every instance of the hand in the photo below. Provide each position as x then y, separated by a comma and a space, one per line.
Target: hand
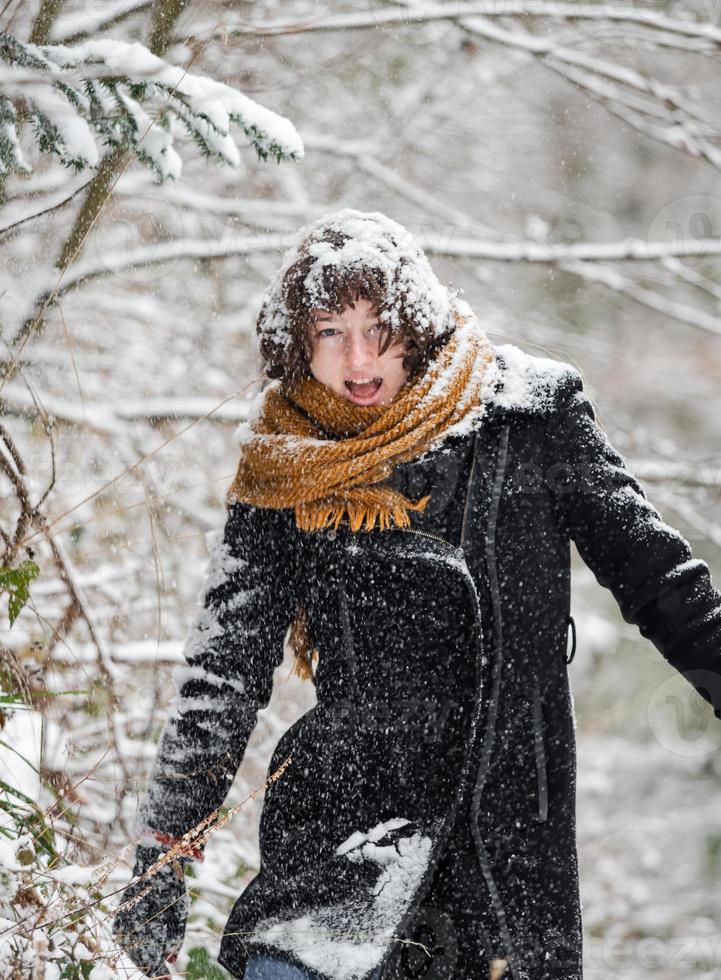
151, 930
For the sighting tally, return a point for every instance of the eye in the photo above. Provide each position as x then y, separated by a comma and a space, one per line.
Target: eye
326, 332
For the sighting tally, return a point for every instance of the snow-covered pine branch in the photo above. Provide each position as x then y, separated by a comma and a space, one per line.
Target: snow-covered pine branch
107, 89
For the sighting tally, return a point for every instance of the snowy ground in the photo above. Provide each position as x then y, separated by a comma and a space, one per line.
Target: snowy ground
649, 839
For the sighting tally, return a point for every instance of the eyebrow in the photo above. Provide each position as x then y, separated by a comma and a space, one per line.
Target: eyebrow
324, 318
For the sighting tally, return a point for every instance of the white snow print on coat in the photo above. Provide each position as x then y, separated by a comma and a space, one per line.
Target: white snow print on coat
329, 939
353, 846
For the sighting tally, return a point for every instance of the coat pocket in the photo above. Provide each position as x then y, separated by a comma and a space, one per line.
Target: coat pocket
539, 745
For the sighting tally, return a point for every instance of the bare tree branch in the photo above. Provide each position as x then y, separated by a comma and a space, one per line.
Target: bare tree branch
78, 25
426, 13
49, 10
620, 283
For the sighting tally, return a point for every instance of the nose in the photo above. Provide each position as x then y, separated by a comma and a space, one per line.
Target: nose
359, 351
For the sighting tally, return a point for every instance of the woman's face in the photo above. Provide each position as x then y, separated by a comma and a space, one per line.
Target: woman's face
345, 355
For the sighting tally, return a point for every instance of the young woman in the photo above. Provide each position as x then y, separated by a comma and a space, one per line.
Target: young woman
402, 511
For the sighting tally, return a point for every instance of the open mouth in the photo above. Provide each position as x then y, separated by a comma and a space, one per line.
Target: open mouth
365, 389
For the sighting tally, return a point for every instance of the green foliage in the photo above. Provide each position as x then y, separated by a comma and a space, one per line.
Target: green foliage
28, 818
76, 533
16, 581
9, 147
77, 971
200, 966
10, 700
712, 847
69, 914
242, 868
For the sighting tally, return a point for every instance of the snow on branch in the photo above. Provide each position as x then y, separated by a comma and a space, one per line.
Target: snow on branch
654, 107
628, 249
685, 27
106, 88
660, 110
74, 26
651, 299
108, 419
586, 259
665, 116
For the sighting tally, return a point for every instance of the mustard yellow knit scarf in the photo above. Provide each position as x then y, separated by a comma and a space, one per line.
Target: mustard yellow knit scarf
314, 450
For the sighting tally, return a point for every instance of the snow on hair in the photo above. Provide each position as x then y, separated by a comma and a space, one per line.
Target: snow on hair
372, 246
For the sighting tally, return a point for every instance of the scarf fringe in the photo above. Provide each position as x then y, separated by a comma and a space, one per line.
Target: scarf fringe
359, 514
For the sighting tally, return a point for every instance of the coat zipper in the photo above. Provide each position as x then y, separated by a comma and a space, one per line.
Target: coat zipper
468, 493
482, 853
469, 482
425, 534
407, 918
489, 737
435, 537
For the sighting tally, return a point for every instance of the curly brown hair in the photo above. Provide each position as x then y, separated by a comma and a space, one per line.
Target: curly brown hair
287, 354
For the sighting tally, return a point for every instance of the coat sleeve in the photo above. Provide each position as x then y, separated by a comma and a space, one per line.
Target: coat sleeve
234, 645
647, 565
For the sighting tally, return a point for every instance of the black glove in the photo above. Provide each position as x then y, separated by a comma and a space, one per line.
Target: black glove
152, 929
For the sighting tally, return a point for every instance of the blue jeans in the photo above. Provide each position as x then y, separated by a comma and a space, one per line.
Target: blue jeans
263, 967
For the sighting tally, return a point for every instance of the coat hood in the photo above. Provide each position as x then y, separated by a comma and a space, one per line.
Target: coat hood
350, 238
525, 383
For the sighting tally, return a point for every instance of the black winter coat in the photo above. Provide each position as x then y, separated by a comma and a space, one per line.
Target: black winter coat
426, 820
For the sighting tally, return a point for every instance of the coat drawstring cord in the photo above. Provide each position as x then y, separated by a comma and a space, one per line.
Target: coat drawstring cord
538, 739
539, 744
540, 750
